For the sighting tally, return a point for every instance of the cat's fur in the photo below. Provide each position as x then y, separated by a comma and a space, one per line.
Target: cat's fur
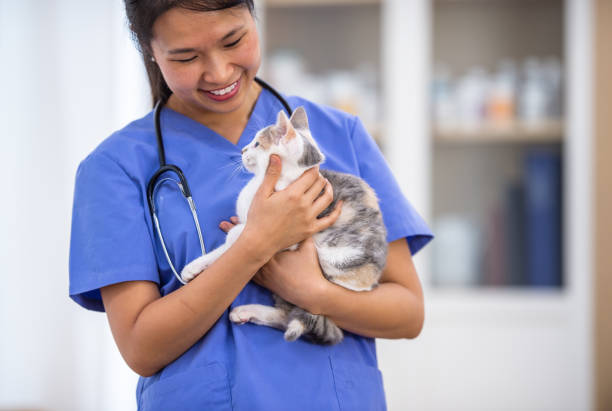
352, 252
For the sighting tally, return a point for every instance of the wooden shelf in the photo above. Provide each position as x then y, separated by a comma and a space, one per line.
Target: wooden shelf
322, 3
516, 132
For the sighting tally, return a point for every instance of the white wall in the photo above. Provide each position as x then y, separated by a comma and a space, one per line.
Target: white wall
70, 77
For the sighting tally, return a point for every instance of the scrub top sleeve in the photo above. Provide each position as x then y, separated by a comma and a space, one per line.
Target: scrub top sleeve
110, 241
400, 218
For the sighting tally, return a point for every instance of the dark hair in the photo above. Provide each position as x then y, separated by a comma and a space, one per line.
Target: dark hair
141, 16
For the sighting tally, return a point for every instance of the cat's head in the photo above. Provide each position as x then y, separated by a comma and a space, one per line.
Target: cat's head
290, 139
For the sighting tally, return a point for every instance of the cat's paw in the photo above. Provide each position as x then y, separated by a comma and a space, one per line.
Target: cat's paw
295, 329
241, 314
194, 268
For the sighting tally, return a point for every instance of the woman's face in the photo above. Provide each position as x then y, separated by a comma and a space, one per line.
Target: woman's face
208, 59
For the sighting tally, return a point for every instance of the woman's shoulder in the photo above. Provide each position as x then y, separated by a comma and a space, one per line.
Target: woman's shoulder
138, 136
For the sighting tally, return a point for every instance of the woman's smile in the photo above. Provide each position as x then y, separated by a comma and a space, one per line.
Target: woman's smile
225, 93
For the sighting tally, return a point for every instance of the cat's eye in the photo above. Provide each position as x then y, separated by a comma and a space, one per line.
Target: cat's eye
256, 144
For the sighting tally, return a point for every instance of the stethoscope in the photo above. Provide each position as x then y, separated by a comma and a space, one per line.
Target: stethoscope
182, 184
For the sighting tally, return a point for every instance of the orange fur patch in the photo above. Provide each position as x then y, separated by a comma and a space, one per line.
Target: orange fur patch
362, 278
291, 134
370, 198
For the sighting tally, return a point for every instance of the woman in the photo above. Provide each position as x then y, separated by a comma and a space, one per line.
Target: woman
201, 58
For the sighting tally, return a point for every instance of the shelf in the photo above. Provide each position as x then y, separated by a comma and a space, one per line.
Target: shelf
516, 132
322, 3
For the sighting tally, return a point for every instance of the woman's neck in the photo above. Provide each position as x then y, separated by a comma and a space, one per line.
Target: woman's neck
228, 125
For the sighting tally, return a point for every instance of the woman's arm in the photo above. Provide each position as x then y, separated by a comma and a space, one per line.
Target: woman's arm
151, 331
394, 309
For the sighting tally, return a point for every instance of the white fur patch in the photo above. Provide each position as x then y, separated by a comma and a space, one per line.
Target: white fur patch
295, 329
259, 314
337, 255
346, 215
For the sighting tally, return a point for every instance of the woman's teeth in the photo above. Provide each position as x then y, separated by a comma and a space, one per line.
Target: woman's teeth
224, 91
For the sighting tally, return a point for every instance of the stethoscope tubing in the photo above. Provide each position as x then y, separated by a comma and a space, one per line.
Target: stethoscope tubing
182, 183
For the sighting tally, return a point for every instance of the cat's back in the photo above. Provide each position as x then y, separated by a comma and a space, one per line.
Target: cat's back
357, 242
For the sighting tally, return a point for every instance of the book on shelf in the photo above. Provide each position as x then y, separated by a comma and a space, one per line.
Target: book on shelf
523, 244
543, 217
514, 225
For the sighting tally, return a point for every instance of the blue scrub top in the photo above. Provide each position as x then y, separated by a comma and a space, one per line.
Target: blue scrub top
232, 367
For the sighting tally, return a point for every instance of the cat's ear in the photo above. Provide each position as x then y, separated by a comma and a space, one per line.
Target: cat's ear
299, 119
284, 128
282, 122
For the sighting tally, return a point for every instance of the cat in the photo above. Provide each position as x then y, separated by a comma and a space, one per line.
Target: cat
352, 252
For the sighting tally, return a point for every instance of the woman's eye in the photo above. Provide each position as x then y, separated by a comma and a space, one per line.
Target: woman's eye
234, 43
186, 60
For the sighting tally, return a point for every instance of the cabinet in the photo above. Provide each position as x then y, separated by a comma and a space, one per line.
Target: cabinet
497, 134
328, 52
485, 345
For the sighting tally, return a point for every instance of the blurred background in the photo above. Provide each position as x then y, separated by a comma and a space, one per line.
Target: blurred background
492, 114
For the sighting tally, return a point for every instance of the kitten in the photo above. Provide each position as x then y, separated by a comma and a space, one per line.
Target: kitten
352, 252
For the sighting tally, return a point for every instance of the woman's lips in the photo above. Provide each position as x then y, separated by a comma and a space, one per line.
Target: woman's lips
225, 93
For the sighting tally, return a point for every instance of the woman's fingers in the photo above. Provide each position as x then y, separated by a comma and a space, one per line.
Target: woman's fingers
305, 181
225, 226
272, 175
315, 190
228, 225
324, 200
325, 222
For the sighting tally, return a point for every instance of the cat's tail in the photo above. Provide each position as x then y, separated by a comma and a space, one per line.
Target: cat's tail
317, 328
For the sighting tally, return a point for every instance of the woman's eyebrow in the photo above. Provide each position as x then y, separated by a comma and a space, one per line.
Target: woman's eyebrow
191, 50
232, 32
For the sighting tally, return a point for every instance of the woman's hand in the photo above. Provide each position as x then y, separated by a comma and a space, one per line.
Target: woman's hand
295, 276
279, 219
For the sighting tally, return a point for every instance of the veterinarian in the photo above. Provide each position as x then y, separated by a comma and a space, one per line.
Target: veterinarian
201, 58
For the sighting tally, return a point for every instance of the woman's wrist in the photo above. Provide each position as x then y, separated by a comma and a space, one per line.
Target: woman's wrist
254, 248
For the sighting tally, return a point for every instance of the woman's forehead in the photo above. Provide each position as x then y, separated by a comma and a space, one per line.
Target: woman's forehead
182, 28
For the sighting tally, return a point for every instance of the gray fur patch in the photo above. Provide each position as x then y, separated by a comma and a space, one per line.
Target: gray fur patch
311, 156
365, 231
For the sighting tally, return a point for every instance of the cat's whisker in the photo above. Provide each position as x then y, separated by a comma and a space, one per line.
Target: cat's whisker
237, 167
231, 163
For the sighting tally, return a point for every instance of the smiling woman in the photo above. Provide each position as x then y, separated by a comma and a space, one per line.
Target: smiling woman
201, 58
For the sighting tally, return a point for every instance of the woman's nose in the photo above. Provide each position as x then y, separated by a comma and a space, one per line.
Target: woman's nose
218, 71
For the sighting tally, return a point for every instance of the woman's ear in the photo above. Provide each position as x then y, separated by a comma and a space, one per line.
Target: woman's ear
299, 119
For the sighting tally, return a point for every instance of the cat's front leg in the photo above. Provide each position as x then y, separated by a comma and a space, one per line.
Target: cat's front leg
259, 314
194, 268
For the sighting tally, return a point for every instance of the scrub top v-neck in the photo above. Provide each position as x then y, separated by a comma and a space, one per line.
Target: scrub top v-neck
259, 115
232, 367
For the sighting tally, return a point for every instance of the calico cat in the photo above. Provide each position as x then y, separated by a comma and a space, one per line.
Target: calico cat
352, 252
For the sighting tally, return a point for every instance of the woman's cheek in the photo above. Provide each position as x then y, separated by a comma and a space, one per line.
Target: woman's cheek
249, 56
177, 78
